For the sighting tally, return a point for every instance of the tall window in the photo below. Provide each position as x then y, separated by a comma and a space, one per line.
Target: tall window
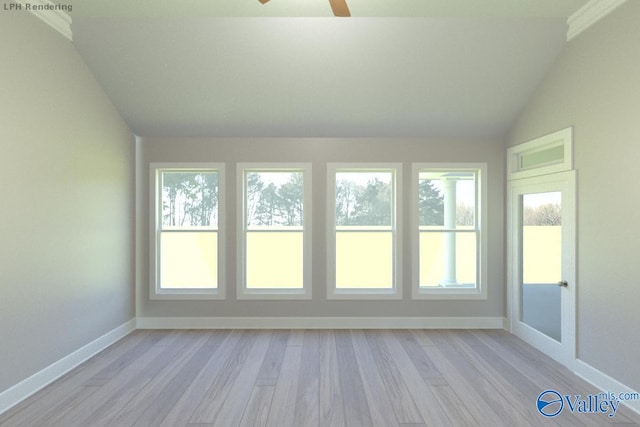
275, 243
186, 261
363, 239
448, 212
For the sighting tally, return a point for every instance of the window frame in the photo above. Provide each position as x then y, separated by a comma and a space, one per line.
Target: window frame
395, 292
155, 213
562, 139
305, 293
480, 290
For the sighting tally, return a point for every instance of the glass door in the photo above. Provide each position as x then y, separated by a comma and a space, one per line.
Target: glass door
541, 253
542, 262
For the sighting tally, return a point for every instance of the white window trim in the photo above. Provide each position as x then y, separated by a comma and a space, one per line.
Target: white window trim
395, 293
242, 293
155, 213
480, 291
562, 138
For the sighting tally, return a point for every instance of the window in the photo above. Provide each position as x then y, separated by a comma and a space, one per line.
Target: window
363, 239
544, 155
186, 231
275, 242
448, 211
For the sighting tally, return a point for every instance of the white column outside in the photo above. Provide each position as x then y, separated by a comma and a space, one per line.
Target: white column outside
449, 278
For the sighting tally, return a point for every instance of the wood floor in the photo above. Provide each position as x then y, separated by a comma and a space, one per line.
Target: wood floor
406, 378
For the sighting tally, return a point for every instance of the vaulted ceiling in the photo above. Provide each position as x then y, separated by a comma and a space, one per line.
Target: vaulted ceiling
289, 69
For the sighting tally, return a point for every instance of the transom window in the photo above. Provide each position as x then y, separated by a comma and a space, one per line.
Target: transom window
363, 223
186, 260
447, 253
274, 247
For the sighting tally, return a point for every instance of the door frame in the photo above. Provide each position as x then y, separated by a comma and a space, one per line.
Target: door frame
564, 351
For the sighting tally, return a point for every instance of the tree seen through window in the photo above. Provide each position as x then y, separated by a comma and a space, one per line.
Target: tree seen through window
189, 199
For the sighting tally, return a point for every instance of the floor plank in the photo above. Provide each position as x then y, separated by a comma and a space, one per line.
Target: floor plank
546, 373
306, 411
168, 397
426, 400
397, 391
465, 378
356, 408
233, 407
332, 412
190, 400
180, 354
341, 378
428, 370
378, 402
272, 363
215, 399
284, 395
504, 377
115, 393
56, 398
257, 412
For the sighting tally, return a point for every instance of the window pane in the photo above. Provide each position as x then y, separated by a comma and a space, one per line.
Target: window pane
274, 260
189, 260
189, 199
541, 262
447, 259
364, 259
447, 200
545, 157
274, 236
274, 198
542, 237
364, 198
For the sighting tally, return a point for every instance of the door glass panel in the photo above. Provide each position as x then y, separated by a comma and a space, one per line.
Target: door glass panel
541, 254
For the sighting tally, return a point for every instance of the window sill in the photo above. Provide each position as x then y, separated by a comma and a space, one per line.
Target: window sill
273, 294
449, 293
187, 294
364, 294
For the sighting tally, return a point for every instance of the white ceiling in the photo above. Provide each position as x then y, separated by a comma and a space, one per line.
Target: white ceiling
455, 69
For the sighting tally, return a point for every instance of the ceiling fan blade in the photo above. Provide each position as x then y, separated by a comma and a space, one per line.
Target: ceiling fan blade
263, 1
339, 7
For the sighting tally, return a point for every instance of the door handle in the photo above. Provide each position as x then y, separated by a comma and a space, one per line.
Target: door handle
563, 284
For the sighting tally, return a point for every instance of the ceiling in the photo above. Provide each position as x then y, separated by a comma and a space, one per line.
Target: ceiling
237, 68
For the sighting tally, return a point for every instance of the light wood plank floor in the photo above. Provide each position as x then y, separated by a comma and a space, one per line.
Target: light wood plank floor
310, 378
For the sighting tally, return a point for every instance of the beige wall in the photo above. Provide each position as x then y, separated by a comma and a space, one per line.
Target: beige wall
66, 215
595, 86
320, 152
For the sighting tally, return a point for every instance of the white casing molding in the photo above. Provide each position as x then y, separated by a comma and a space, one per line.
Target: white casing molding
320, 322
589, 14
46, 376
51, 14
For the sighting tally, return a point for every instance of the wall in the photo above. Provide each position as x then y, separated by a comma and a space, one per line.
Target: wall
66, 196
319, 152
595, 86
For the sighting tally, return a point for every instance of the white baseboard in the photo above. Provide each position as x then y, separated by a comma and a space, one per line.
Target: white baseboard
320, 323
605, 383
37, 381
506, 325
